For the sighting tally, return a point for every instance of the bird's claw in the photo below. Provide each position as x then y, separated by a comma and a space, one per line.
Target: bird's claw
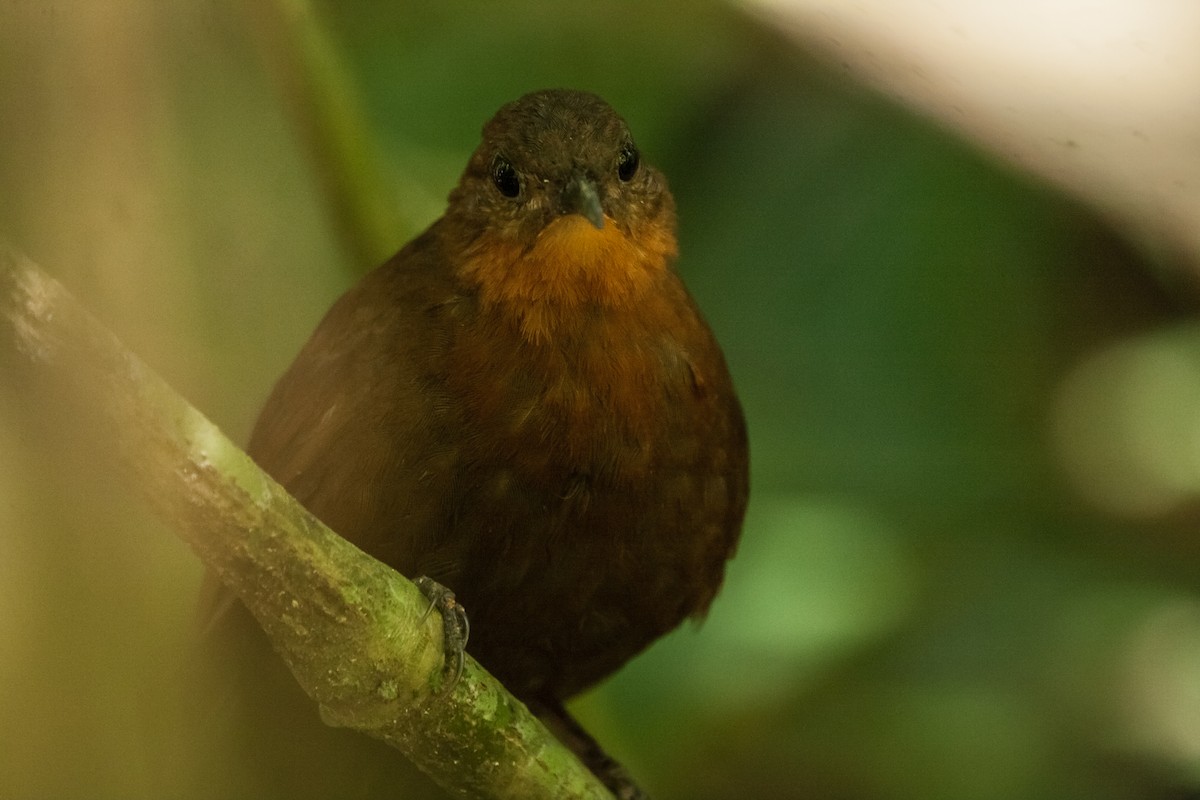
456, 627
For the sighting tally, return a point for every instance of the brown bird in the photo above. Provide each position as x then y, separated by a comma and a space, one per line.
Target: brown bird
525, 405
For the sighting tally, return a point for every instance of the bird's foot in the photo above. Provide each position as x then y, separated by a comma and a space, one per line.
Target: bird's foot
610, 771
456, 627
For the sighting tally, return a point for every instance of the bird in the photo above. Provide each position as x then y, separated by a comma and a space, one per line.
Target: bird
526, 406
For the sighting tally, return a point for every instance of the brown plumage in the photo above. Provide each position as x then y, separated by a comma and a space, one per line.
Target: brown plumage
525, 405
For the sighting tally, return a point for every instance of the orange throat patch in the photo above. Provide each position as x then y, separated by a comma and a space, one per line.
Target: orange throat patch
570, 266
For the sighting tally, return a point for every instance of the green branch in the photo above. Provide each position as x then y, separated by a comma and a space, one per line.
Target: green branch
317, 596
323, 101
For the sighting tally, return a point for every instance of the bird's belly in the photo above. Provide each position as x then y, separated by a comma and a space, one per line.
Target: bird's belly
600, 495
567, 584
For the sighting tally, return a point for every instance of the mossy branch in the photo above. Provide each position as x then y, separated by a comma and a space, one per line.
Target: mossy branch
350, 628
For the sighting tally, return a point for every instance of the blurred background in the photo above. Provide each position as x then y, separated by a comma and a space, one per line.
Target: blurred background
952, 254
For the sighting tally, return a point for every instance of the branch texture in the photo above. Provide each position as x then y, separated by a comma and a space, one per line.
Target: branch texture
350, 628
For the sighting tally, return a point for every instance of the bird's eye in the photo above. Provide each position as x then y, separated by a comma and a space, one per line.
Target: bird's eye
505, 177
627, 162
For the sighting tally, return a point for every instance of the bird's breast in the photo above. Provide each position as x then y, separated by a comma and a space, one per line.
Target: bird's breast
600, 400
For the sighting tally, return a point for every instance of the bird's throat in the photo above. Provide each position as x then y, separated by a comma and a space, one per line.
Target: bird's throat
570, 267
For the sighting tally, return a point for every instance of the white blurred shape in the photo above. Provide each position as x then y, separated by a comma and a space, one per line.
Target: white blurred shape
1101, 97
